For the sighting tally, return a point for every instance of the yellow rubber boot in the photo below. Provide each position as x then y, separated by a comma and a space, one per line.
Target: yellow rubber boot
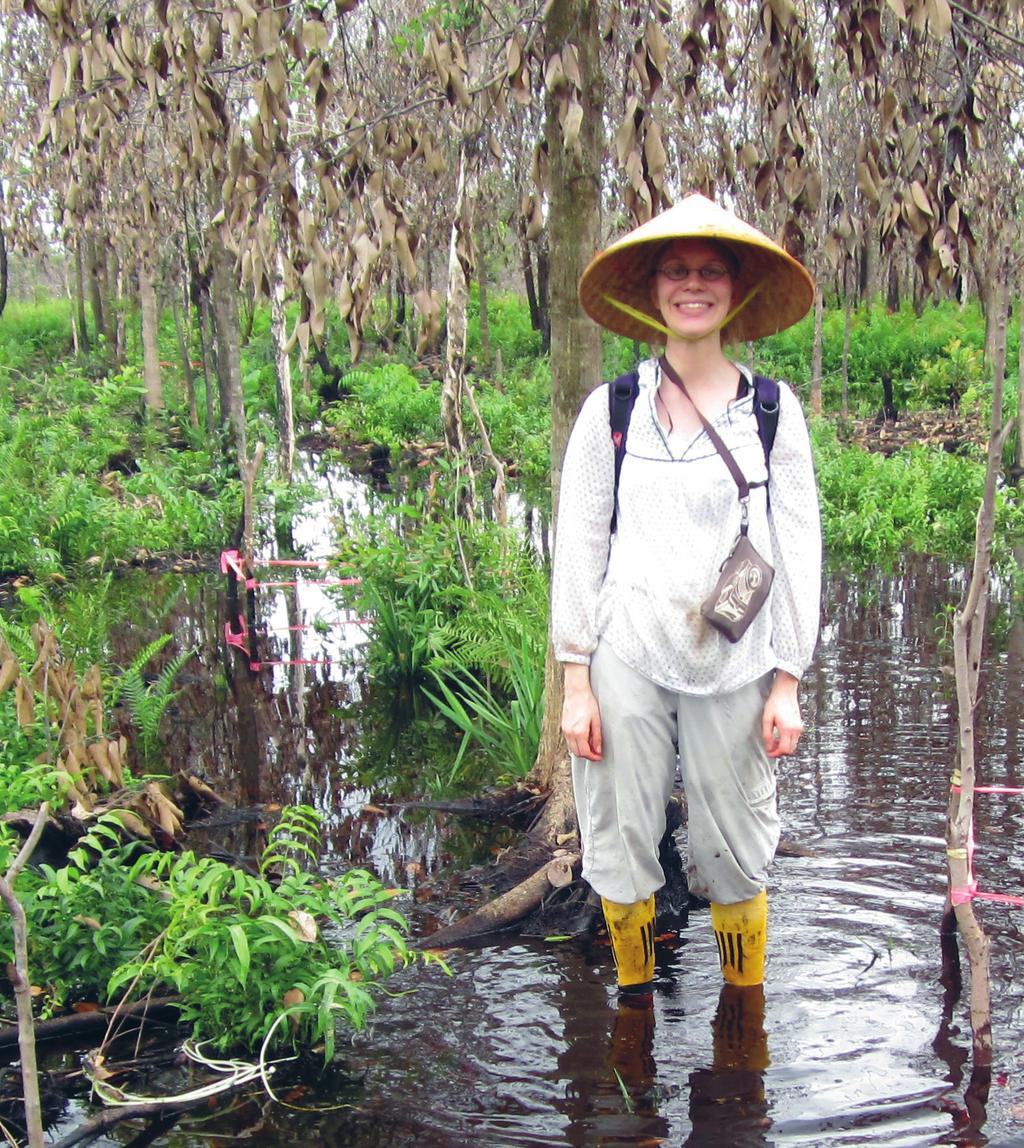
631, 929
741, 931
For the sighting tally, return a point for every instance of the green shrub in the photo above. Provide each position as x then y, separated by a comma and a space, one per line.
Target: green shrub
920, 499
389, 404
241, 950
33, 335
509, 327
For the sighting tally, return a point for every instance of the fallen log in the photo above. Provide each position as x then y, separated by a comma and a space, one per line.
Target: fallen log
78, 1022
511, 907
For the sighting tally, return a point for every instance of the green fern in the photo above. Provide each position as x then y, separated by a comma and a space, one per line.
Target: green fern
147, 702
293, 840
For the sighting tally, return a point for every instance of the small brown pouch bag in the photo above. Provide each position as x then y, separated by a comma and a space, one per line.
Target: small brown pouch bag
741, 590
745, 578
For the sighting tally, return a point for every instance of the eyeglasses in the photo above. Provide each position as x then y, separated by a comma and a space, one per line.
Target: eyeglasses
677, 272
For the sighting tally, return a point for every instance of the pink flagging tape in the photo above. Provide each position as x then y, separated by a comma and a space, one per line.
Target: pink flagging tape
237, 633
990, 789
312, 582
237, 638
961, 894
233, 561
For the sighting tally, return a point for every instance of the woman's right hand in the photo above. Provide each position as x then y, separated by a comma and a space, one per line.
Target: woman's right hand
581, 718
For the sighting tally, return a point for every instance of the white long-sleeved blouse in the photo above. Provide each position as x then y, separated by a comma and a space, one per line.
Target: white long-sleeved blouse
678, 518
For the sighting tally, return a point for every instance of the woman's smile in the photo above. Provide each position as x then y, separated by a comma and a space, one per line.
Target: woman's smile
692, 287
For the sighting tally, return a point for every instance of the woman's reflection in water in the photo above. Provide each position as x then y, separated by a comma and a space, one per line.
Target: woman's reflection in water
727, 1100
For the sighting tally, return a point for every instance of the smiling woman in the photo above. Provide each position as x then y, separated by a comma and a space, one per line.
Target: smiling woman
655, 668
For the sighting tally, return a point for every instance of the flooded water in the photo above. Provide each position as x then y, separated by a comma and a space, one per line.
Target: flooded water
854, 1041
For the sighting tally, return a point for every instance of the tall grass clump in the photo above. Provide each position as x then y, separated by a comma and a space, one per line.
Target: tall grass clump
458, 614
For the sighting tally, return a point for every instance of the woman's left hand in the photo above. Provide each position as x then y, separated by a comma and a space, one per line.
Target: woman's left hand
781, 725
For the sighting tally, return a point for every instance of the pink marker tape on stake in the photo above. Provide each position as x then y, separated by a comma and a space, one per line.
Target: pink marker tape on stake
234, 562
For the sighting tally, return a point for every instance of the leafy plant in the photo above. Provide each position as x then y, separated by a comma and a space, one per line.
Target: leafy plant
148, 701
504, 722
240, 949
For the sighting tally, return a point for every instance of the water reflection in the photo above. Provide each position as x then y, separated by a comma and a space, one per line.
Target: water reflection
854, 1040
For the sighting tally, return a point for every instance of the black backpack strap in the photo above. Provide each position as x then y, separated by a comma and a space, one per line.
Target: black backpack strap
622, 394
766, 411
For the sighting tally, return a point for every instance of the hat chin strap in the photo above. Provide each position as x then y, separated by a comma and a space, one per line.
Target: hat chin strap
650, 321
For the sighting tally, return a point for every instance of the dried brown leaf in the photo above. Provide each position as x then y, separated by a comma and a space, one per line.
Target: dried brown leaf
571, 124
304, 925
940, 18
24, 703
920, 197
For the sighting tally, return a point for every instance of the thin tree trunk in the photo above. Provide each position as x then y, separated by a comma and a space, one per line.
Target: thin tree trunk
76, 342
968, 638
500, 498
184, 335
529, 281
117, 307
1019, 458
460, 267
208, 348
544, 294
847, 331
229, 348
150, 317
485, 319
3, 267
97, 279
817, 354
573, 231
283, 374
83, 326
22, 984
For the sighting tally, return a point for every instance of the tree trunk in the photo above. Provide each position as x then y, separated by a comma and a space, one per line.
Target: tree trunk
97, 280
847, 332
573, 233
968, 639
485, 318
83, 326
285, 407
184, 335
544, 295
3, 266
460, 267
1019, 456
22, 984
817, 354
500, 497
117, 307
208, 349
150, 317
529, 282
229, 348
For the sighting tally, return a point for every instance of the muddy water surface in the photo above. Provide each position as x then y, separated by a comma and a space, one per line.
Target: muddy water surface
524, 1046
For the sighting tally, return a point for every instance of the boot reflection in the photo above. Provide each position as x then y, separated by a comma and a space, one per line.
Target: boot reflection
727, 1101
631, 1053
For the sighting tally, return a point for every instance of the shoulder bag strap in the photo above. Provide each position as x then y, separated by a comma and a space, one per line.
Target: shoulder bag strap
734, 469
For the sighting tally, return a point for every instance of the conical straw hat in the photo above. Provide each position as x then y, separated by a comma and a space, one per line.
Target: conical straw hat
615, 289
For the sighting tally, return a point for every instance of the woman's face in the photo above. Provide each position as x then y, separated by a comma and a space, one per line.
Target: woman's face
692, 287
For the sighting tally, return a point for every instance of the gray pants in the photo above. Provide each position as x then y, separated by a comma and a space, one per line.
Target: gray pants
728, 779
